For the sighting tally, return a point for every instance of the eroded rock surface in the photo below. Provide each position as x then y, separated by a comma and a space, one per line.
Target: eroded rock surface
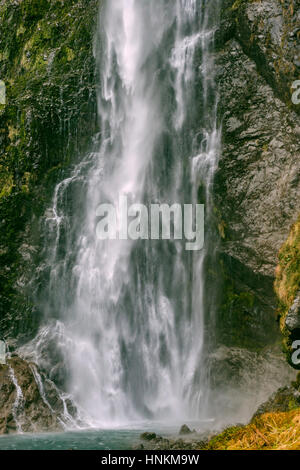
28, 402
257, 188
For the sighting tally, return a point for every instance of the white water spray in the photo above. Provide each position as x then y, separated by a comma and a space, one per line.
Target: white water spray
131, 314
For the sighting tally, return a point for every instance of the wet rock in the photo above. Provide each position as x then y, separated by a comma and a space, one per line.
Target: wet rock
292, 320
285, 399
23, 405
257, 191
245, 377
297, 61
257, 184
196, 442
148, 436
53, 87
184, 430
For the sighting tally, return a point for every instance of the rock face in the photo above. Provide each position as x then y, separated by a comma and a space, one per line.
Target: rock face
257, 187
47, 64
242, 379
285, 399
28, 402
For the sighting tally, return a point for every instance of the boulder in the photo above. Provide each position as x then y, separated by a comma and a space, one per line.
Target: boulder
292, 320
148, 436
184, 430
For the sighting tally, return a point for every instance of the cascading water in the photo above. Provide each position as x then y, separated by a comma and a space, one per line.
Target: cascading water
127, 318
19, 401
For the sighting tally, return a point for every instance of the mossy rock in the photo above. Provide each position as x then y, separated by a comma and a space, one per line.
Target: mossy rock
48, 66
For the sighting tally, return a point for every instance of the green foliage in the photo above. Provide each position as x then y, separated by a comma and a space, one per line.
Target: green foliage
287, 282
288, 271
220, 441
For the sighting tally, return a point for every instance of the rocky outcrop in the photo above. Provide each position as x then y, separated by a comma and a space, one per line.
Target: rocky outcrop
152, 441
285, 399
244, 377
257, 187
185, 430
28, 401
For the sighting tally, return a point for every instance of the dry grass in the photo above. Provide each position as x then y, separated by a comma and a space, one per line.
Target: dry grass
270, 431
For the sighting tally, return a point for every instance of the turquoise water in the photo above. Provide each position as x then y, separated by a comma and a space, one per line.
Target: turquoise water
92, 439
75, 440
124, 438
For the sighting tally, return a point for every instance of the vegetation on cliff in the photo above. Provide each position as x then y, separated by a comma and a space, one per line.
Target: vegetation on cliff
287, 283
257, 183
47, 64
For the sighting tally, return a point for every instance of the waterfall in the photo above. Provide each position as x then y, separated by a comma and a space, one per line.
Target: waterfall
40, 385
123, 319
19, 403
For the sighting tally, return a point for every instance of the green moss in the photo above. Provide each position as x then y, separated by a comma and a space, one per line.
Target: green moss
237, 4
7, 185
287, 282
288, 271
237, 315
47, 64
220, 441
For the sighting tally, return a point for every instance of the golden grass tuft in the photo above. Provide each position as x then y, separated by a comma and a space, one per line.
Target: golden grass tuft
270, 431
